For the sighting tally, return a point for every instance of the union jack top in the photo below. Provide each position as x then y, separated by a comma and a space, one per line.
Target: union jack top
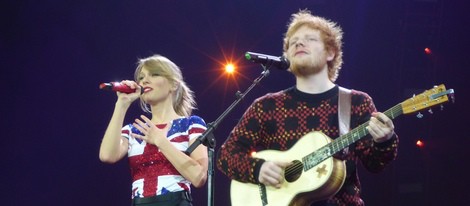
152, 174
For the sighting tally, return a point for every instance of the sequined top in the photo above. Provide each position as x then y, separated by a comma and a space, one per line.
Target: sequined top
277, 120
152, 174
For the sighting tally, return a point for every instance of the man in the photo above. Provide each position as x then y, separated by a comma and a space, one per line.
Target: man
276, 121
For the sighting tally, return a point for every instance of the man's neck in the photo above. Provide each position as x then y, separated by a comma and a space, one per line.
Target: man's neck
314, 84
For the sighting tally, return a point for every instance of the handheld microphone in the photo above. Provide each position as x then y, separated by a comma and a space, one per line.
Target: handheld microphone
268, 60
117, 87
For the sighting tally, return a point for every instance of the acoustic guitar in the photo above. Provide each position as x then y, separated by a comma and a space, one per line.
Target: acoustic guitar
314, 174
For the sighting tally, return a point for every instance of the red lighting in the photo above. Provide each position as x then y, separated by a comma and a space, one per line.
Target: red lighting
420, 144
427, 50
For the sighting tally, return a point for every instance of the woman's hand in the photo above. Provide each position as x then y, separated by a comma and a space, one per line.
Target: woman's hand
151, 133
127, 99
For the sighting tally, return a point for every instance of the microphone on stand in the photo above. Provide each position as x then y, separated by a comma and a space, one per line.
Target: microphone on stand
268, 60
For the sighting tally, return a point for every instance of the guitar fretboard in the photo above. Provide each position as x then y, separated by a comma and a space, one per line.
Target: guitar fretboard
314, 158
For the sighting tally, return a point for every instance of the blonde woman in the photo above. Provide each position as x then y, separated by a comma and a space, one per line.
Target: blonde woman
162, 173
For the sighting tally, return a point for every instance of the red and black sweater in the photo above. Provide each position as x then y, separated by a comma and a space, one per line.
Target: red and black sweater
277, 120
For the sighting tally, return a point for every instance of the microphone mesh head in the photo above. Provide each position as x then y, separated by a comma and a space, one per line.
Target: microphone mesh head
106, 86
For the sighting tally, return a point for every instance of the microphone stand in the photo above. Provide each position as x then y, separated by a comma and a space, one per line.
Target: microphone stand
207, 138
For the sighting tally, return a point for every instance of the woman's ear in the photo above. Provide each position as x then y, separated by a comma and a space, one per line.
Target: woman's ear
175, 86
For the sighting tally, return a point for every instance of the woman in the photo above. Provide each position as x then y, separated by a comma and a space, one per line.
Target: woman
161, 172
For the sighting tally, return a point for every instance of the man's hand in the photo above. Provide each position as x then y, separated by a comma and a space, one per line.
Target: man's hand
380, 127
272, 173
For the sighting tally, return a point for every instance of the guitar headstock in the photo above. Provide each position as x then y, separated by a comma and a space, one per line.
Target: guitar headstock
435, 96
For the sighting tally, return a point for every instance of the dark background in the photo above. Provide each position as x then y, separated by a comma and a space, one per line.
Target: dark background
54, 54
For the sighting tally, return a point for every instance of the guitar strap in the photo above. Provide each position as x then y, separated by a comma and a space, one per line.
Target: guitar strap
344, 110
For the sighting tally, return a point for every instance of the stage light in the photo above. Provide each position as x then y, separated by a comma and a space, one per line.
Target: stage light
420, 144
427, 51
253, 153
229, 68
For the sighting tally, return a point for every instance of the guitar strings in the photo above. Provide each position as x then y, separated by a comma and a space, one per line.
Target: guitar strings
391, 113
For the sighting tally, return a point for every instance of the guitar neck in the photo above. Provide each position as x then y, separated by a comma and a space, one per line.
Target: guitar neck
344, 141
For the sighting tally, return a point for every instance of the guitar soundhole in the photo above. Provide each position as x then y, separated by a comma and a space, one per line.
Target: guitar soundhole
293, 171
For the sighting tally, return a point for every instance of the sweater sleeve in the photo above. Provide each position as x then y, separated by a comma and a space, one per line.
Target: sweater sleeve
374, 156
234, 157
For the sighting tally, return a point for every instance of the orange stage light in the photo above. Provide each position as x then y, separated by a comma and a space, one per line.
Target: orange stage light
253, 153
229, 68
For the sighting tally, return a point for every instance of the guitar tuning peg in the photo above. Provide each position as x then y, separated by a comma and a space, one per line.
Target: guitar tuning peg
419, 115
430, 111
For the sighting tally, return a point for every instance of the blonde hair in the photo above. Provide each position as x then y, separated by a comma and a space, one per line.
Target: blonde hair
183, 97
331, 34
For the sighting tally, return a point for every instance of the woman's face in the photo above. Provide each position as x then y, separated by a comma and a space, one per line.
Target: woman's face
156, 88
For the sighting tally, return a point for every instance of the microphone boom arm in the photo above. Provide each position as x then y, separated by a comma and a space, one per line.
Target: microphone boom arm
207, 137
203, 139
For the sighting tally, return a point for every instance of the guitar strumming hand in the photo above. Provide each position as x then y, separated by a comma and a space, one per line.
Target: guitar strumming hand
271, 173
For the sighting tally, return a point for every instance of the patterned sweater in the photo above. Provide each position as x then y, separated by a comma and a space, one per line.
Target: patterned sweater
277, 120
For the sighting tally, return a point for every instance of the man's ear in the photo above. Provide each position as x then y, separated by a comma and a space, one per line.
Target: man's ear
330, 54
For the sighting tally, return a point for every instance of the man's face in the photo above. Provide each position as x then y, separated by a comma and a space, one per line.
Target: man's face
307, 53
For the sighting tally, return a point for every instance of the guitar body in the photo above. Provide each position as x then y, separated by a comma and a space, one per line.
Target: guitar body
317, 183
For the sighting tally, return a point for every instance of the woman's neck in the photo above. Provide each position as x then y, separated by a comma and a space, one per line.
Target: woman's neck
163, 113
